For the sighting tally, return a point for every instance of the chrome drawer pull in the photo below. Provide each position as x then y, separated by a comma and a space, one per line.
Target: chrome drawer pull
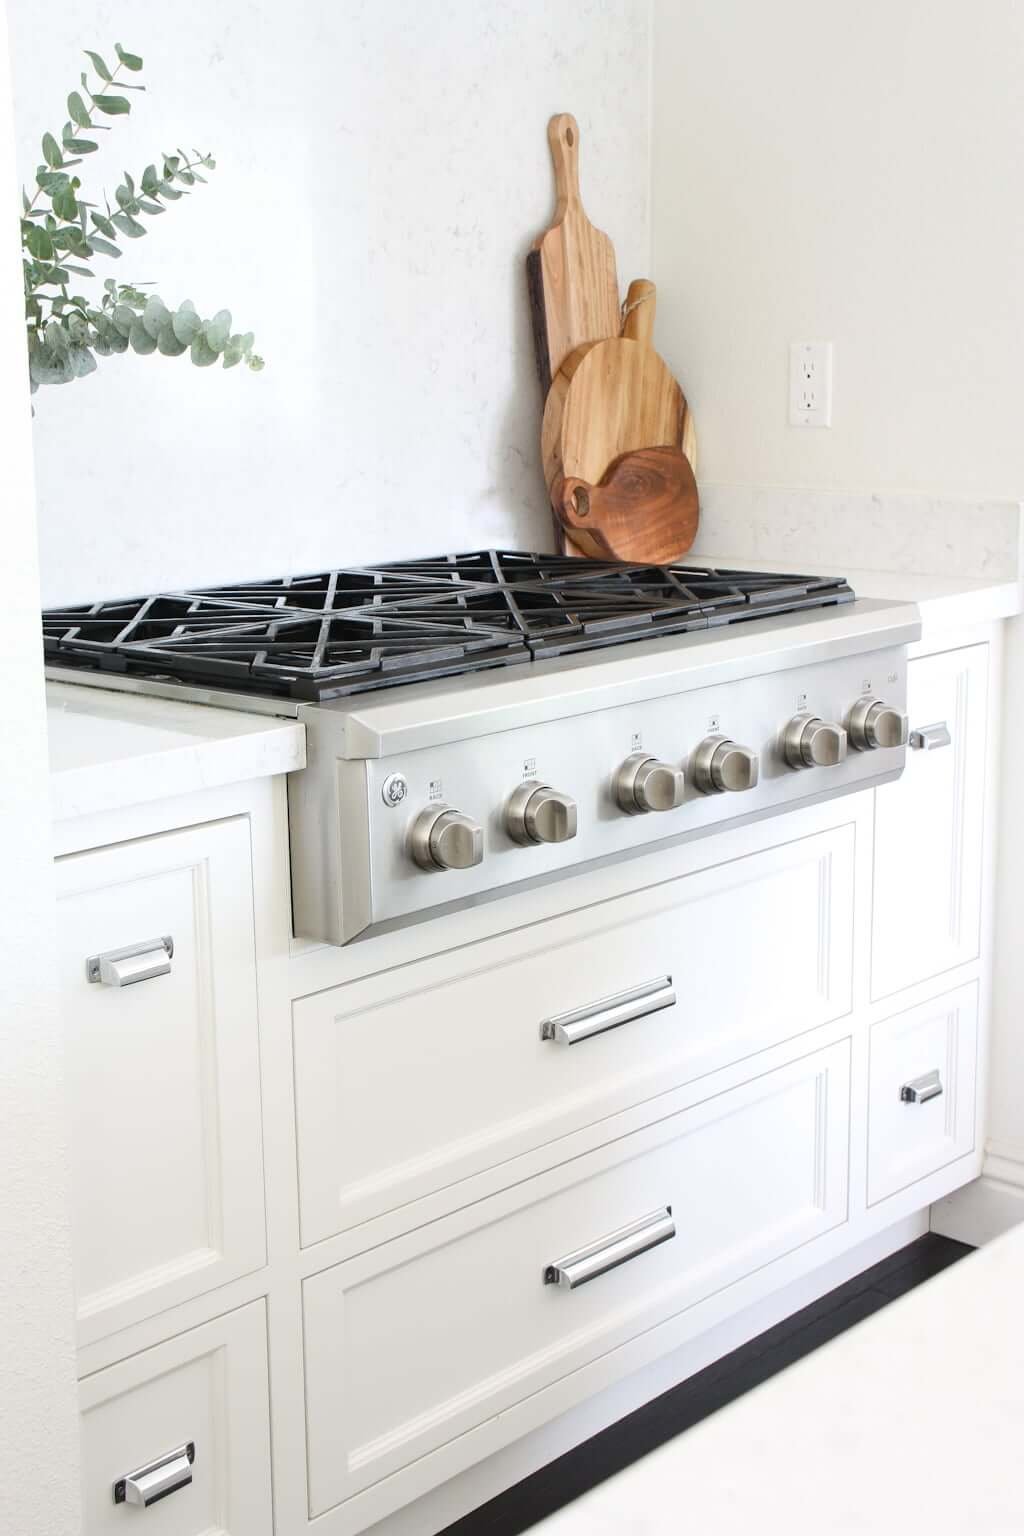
920, 1089
146, 1485
136, 962
593, 1019
928, 737
598, 1258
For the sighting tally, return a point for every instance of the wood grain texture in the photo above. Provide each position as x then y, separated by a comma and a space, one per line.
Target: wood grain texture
646, 508
574, 289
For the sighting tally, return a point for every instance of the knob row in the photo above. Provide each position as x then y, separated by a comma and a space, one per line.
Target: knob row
444, 838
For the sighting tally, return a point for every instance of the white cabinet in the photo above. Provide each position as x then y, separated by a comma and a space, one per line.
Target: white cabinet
922, 1102
413, 1343
928, 828
186, 1426
407, 1083
167, 1194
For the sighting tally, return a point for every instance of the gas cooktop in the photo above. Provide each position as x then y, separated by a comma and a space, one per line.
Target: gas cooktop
354, 629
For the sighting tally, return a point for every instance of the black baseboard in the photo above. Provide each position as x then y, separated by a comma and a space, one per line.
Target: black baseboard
582, 1468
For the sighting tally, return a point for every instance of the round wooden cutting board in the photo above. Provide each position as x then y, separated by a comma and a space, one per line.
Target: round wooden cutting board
612, 397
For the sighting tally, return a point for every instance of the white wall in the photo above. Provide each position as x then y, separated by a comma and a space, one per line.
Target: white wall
853, 173
382, 171
38, 1425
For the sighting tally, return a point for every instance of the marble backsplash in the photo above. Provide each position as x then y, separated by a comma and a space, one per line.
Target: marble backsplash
802, 529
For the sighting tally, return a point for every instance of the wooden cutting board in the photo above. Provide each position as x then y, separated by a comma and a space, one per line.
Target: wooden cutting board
612, 397
574, 290
645, 509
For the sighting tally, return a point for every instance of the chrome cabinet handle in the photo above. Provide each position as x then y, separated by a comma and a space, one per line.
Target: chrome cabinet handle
146, 1485
928, 737
594, 1018
609, 1252
136, 962
920, 1089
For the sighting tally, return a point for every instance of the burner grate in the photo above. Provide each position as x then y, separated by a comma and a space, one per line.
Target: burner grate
349, 630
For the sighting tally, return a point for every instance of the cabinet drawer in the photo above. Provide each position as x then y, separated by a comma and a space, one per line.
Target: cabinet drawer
926, 912
922, 1106
202, 1395
404, 1087
415, 1342
167, 1182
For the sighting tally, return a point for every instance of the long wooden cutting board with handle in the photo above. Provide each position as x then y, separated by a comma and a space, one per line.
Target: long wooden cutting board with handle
574, 290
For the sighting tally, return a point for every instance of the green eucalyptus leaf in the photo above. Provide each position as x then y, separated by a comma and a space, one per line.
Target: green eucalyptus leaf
140, 339
52, 181
129, 60
77, 111
155, 316
105, 247
150, 179
202, 354
171, 193
97, 64
113, 106
65, 205
128, 226
104, 224
187, 324
80, 146
168, 342
51, 150
124, 318
147, 206
218, 330
39, 243
118, 341
70, 266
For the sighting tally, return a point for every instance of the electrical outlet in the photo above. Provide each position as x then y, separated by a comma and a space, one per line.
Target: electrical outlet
810, 384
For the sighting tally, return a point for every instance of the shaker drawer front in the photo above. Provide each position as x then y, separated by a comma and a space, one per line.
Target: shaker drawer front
157, 968
922, 1107
414, 1343
926, 911
402, 1093
177, 1438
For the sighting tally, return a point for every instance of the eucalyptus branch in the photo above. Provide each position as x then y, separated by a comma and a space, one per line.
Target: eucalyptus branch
57, 239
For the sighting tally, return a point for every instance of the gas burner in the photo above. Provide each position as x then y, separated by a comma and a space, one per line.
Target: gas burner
354, 629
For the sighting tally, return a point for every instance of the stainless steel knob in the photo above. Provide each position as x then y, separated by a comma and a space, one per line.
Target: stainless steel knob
536, 813
873, 723
810, 742
441, 838
720, 764
644, 784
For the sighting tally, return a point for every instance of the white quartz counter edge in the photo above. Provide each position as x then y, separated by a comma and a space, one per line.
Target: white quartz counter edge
944, 601
109, 750
911, 1421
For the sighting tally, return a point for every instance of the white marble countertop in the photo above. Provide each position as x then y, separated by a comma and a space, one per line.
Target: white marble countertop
911, 1421
109, 750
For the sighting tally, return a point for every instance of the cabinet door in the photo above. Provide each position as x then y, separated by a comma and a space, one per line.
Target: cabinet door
176, 1440
167, 1179
922, 1106
413, 1344
928, 827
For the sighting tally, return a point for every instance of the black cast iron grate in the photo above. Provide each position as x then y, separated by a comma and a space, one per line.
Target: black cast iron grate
350, 630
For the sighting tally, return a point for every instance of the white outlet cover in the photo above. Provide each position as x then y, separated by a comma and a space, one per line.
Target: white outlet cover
810, 384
